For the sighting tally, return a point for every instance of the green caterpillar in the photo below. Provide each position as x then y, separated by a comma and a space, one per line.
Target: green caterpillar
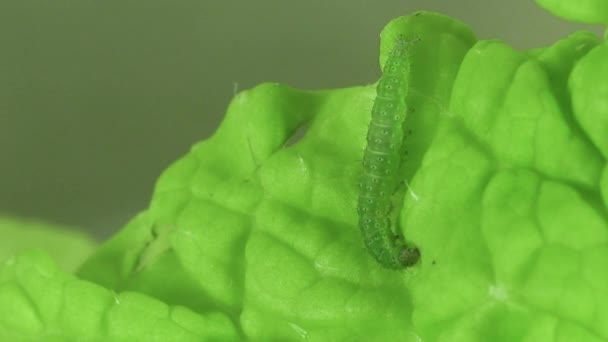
381, 163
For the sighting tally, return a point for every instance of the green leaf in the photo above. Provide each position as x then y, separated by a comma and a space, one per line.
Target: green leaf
508, 211
69, 247
42, 303
585, 11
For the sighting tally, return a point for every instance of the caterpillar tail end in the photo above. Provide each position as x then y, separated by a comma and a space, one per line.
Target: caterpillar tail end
408, 256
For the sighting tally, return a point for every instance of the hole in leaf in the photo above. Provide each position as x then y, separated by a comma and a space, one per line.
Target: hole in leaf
297, 135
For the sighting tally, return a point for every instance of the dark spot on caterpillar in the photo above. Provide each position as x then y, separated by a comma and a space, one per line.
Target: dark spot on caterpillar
409, 256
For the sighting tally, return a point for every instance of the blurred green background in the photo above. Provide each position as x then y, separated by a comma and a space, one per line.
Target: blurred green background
97, 97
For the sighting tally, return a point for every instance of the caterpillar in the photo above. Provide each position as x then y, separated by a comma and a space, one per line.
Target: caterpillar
382, 160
